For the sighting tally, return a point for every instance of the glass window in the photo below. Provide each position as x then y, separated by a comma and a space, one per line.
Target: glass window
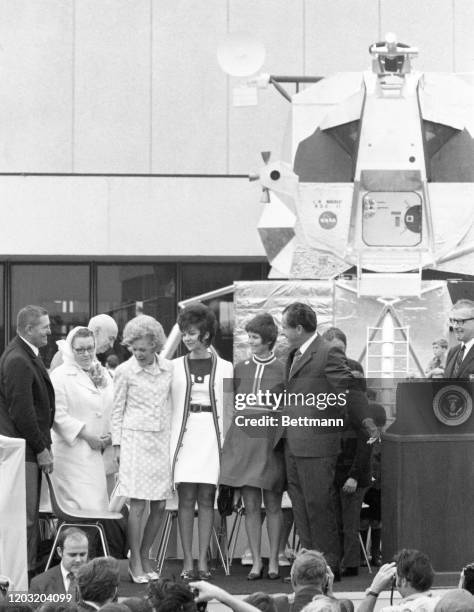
127, 290
62, 289
201, 278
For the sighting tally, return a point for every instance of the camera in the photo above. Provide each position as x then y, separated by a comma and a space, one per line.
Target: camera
200, 605
467, 576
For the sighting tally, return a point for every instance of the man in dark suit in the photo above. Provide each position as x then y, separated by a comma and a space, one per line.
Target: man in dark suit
27, 408
460, 359
315, 370
73, 548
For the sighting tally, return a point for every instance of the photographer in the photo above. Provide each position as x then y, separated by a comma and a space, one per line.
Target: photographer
412, 574
311, 577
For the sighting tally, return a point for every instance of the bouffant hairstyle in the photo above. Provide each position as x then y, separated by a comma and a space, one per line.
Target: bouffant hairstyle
144, 326
200, 316
301, 314
264, 325
442, 343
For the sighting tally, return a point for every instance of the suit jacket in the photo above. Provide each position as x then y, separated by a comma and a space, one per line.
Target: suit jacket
49, 582
26, 398
321, 370
467, 365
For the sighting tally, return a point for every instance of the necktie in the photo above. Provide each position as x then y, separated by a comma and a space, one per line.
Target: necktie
296, 357
72, 590
459, 358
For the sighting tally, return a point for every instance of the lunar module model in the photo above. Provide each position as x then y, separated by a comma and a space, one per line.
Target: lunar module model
379, 176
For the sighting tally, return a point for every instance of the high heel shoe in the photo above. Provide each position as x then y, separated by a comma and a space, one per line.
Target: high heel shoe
255, 575
153, 575
204, 575
138, 579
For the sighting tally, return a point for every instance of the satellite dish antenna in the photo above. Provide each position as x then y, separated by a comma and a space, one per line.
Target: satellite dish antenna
240, 54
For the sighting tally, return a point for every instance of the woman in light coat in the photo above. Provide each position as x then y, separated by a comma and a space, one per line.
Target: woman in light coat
81, 429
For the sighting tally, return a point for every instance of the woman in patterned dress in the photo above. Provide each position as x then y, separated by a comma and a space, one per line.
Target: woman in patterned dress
201, 408
249, 460
141, 435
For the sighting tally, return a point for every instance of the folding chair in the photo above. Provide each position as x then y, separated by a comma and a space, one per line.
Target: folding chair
235, 530
73, 517
171, 514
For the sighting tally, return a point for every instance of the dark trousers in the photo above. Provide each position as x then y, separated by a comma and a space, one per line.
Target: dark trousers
310, 487
33, 483
348, 507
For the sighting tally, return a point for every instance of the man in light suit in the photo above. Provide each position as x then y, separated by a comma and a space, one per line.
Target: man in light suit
27, 408
315, 369
73, 548
460, 359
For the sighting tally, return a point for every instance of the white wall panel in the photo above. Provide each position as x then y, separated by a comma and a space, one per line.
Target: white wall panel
112, 86
129, 216
51, 216
185, 216
189, 128
279, 25
463, 35
426, 24
35, 85
338, 34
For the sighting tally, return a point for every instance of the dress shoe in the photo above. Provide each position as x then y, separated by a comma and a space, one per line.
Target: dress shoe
187, 575
283, 561
350, 571
247, 558
273, 575
153, 575
204, 575
138, 579
255, 575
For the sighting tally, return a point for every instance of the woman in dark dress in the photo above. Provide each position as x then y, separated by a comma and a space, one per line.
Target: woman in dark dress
249, 461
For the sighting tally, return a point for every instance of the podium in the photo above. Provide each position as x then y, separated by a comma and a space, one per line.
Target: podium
428, 473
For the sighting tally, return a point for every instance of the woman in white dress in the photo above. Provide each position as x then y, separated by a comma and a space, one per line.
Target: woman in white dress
81, 429
141, 437
200, 418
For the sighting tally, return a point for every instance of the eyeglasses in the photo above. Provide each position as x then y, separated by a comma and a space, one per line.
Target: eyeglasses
460, 321
83, 351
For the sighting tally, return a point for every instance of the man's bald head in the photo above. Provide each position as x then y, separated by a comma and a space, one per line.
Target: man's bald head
105, 332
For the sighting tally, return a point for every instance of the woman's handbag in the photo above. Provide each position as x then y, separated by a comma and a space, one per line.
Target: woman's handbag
225, 500
117, 501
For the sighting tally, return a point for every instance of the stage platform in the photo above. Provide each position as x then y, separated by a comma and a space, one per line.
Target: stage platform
353, 588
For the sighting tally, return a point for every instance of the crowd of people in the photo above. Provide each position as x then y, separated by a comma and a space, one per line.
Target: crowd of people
162, 425
94, 585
